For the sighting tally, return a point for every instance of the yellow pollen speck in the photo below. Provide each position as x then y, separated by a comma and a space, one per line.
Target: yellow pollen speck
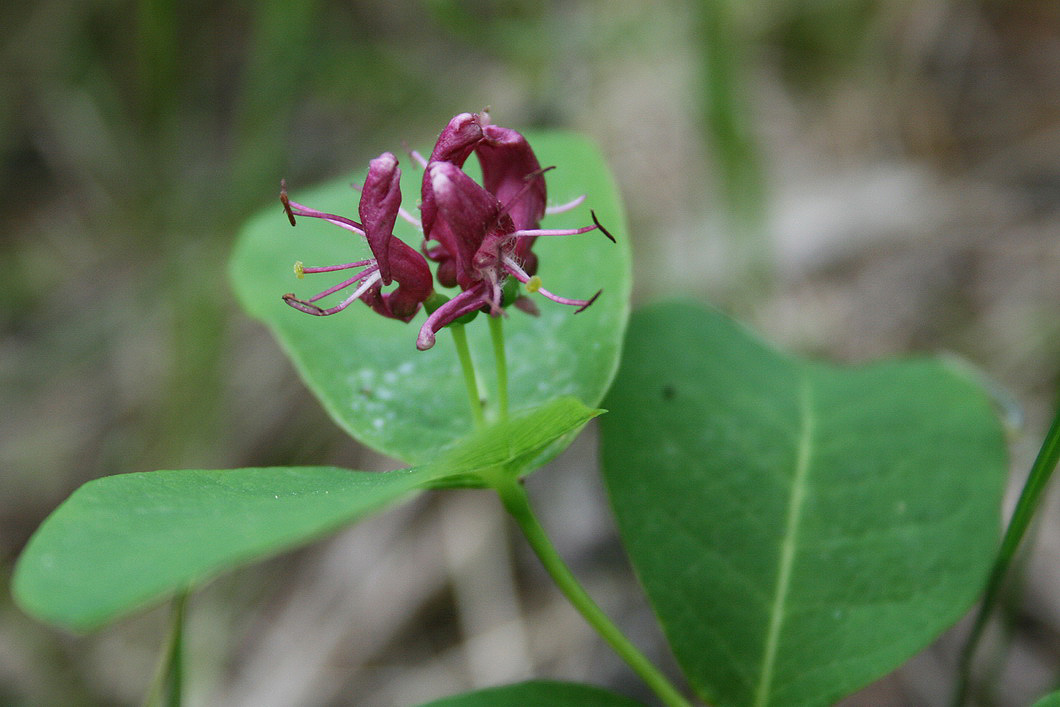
533, 284
299, 269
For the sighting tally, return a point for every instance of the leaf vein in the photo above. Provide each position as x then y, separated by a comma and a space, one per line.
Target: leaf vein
796, 501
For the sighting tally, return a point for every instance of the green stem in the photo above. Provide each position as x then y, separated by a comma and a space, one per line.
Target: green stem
168, 684
468, 366
515, 500
497, 335
1041, 472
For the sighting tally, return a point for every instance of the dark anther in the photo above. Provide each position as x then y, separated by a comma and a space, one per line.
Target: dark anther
285, 201
601, 226
302, 305
538, 173
591, 300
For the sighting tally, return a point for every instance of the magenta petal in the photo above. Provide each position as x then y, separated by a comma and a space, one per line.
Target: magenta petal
469, 214
380, 202
458, 139
464, 303
511, 172
455, 144
414, 284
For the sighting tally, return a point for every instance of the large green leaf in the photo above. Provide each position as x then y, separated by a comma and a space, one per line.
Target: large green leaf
122, 542
537, 692
801, 529
366, 370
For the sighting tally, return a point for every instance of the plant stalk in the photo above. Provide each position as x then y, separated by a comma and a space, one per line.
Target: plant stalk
497, 336
463, 352
516, 502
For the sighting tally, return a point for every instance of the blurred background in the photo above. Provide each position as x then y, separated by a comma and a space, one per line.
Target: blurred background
855, 179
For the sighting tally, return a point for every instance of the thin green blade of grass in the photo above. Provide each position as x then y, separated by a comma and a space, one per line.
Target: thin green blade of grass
1027, 505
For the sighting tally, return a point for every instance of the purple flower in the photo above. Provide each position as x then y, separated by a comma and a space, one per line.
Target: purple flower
480, 235
394, 260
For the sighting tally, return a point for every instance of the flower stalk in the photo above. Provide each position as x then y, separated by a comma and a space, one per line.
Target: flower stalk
497, 337
467, 365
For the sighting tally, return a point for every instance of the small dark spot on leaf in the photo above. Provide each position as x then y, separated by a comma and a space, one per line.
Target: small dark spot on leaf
368, 393
668, 392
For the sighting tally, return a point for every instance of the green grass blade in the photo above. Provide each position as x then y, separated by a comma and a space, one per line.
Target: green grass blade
1027, 505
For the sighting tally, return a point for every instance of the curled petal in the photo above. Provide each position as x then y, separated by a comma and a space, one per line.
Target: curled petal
415, 285
458, 139
464, 303
511, 172
378, 209
454, 145
472, 227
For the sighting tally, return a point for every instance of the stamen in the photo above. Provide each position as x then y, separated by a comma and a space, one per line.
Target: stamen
534, 232
528, 182
299, 268
301, 306
341, 286
561, 208
553, 231
591, 300
308, 307
580, 303
418, 158
513, 267
297, 209
601, 226
285, 201
416, 223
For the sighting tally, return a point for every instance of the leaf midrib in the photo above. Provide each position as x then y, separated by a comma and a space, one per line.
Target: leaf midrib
796, 501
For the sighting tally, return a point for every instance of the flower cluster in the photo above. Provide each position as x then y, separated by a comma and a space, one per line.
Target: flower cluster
479, 235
